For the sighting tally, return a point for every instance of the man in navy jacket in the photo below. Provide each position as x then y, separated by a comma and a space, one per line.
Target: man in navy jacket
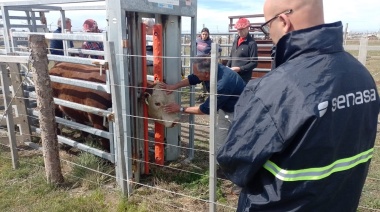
303, 135
229, 87
56, 46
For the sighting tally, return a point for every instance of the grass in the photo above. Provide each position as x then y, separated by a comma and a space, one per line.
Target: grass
25, 189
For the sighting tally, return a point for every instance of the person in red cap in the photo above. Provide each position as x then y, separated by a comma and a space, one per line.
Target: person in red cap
243, 56
91, 26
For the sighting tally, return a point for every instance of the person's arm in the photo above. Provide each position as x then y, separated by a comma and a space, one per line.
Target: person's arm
175, 108
170, 88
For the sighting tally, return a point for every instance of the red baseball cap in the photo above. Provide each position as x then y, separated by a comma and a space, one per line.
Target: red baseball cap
242, 23
90, 25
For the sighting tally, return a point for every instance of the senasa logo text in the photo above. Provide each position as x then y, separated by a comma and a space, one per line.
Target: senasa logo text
352, 99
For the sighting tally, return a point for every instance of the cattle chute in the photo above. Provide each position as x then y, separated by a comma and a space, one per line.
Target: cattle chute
123, 30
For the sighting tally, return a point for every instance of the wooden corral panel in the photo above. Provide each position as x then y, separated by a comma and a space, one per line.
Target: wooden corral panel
263, 51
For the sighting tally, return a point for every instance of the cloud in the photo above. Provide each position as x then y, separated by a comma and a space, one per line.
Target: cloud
360, 15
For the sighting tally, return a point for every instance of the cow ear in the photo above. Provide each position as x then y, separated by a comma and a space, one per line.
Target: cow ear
146, 96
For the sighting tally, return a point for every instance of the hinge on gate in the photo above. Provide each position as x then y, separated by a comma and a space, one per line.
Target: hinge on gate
101, 66
111, 117
125, 44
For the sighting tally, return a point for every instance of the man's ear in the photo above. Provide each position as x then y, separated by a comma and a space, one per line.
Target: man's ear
286, 24
207, 74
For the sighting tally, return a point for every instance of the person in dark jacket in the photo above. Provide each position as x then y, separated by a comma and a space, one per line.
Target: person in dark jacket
244, 51
303, 135
229, 87
56, 46
203, 43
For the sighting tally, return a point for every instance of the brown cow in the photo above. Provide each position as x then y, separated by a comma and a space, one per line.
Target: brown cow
81, 95
157, 98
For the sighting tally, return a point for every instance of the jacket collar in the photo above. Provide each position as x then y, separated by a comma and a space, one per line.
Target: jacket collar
247, 38
325, 38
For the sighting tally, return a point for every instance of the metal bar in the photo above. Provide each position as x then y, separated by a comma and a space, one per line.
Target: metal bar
124, 168
35, 8
81, 146
85, 61
111, 139
25, 26
86, 52
255, 58
213, 125
120, 74
84, 7
74, 125
77, 106
79, 60
80, 83
192, 91
34, 24
63, 36
363, 50
145, 107
19, 17
172, 34
9, 115
262, 69
6, 24
14, 59
247, 16
39, 2
258, 45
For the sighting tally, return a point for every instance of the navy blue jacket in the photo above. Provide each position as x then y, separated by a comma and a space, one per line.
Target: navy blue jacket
303, 135
229, 87
57, 45
244, 56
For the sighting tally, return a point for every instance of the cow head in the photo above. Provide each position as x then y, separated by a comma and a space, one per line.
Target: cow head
156, 98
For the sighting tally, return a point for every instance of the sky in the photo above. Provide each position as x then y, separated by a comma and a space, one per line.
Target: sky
361, 16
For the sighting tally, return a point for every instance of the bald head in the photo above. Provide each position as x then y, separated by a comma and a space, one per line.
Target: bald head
305, 14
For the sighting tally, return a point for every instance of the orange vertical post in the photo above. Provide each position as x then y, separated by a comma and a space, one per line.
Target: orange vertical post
159, 129
145, 107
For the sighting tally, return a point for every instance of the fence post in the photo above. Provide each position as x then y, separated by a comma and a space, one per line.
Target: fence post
45, 104
213, 126
123, 149
363, 50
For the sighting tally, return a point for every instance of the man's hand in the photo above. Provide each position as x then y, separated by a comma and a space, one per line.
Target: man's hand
169, 88
235, 69
172, 108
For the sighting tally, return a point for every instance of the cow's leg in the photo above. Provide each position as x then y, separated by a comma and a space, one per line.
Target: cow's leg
58, 113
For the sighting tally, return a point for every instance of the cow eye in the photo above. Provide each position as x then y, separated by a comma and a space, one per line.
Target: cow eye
157, 104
